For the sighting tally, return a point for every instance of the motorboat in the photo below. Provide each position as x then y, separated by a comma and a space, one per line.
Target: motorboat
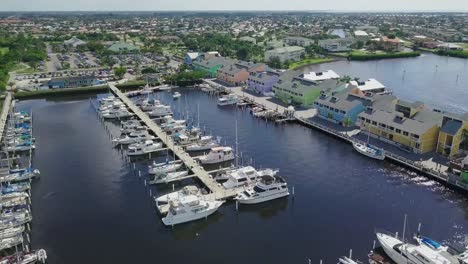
169, 120
168, 177
180, 194
176, 95
217, 155
20, 176
230, 99
422, 251
164, 168
244, 176
164, 87
149, 104
268, 187
26, 146
36, 256
10, 242
134, 137
205, 143
121, 113
190, 209
160, 110
369, 151
149, 146
11, 232
17, 187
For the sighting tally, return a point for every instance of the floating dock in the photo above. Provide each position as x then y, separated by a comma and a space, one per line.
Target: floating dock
4, 115
219, 192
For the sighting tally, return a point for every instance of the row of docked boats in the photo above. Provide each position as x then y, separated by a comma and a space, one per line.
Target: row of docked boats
15, 193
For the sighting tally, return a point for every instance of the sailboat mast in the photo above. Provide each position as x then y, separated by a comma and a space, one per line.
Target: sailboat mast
198, 115
237, 147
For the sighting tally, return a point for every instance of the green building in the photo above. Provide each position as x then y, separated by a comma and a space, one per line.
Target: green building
294, 88
123, 47
210, 66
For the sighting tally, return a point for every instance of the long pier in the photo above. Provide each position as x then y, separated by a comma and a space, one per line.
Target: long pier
4, 114
198, 171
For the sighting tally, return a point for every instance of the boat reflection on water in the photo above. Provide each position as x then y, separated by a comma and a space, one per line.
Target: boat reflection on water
191, 230
265, 210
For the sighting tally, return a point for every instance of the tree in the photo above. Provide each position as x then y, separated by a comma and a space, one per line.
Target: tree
274, 62
148, 70
242, 53
120, 72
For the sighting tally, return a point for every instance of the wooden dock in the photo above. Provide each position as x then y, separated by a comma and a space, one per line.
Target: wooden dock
198, 171
4, 115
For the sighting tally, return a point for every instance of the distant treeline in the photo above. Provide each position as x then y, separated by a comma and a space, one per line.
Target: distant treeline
378, 56
453, 53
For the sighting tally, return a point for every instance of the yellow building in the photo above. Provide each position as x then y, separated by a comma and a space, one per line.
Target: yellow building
408, 125
452, 134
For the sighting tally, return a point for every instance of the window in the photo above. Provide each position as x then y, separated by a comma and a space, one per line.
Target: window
405, 133
374, 123
391, 128
415, 136
398, 131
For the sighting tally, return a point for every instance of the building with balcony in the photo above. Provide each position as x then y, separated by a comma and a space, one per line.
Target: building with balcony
262, 82
453, 131
408, 125
337, 44
298, 41
237, 72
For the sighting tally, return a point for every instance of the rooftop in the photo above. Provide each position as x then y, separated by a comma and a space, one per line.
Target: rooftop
369, 85
320, 76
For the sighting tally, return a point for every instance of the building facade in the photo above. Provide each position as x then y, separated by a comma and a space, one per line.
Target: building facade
292, 53
72, 82
452, 133
237, 72
262, 82
336, 45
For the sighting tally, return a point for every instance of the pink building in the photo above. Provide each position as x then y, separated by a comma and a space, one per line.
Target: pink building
237, 72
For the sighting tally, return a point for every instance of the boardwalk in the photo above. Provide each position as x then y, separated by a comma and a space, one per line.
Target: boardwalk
4, 114
218, 191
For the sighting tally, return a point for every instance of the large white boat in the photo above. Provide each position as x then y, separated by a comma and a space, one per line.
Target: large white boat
244, 176
10, 242
422, 251
230, 99
171, 176
11, 232
205, 143
148, 146
180, 194
189, 209
217, 155
149, 104
120, 113
164, 168
160, 110
369, 151
268, 188
134, 137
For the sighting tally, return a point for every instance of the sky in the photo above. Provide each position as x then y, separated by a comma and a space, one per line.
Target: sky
220, 5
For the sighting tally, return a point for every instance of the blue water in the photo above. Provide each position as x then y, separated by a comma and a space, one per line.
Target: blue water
90, 206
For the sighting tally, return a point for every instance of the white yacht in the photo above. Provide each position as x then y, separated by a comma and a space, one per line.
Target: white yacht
164, 168
369, 151
244, 176
134, 137
171, 176
11, 232
149, 104
217, 155
176, 95
164, 87
230, 99
189, 209
423, 251
180, 194
121, 113
268, 188
205, 143
149, 146
160, 110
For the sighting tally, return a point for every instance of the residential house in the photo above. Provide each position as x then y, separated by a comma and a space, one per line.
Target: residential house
452, 132
390, 44
371, 85
293, 88
262, 82
449, 46
292, 53
190, 57
361, 35
408, 125
72, 82
237, 72
298, 41
337, 44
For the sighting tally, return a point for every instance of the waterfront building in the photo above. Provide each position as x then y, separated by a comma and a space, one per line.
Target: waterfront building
190, 57
292, 53
293, 88
237, 72
73, 82
298, 41
371, 85
408, 125
210, 65
390, 44
453, 131
321, 76
262, 82
336, 45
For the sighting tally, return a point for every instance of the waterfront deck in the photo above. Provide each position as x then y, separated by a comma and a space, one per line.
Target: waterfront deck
197, 170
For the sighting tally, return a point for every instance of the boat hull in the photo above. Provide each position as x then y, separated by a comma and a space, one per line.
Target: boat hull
170, 220
264, 198
362, 150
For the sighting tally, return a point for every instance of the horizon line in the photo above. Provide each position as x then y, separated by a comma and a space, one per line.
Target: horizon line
259, 10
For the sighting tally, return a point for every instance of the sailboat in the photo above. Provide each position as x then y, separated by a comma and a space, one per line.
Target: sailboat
368, 149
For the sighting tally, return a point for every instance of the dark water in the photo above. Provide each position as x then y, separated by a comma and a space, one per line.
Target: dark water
441, 82
91, 207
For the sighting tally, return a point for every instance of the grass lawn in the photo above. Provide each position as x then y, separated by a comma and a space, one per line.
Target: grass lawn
309, 61
3, 50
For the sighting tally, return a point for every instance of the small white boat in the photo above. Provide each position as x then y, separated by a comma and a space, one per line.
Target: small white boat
205, 143
21, 147
369, 151
181, 194
36, 256
134, 137
164, 168
217, 155
160, 110
149, 104
164, 87
171, 176
11, 232
176, 95
230, 99
149, 146
244, 176
190, 209
10, 242
121, 113
268, 188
